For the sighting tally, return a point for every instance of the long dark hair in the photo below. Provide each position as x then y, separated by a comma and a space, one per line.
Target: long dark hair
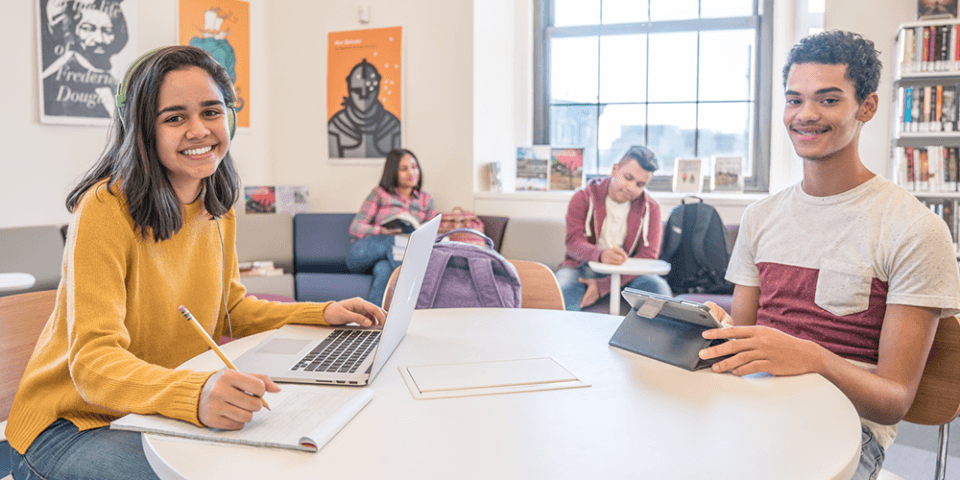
130, 161
391, 170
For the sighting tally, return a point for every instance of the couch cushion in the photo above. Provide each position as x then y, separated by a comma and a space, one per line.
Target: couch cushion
535, 239
493, 227
322, 287
321, 242
35, 250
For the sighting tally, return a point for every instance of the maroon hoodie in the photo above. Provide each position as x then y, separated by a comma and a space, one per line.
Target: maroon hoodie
585, 216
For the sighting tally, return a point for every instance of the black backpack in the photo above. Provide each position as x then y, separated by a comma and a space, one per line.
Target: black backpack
695, 245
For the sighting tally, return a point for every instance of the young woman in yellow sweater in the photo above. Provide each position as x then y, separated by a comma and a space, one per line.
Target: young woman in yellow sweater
152, 229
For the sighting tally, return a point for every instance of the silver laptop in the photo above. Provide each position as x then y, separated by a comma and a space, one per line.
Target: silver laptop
343, 355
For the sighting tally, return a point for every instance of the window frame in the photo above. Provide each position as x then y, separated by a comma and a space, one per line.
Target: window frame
761, 21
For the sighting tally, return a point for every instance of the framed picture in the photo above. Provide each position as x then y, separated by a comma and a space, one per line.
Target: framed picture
726, 174
364, 93
688, 176
222, 27
566, 168
533, 166
934, 9
84, 47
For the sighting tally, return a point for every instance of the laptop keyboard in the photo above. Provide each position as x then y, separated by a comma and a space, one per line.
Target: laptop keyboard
341, 352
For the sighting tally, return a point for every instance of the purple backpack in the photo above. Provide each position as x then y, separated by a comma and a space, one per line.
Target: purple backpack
461, 275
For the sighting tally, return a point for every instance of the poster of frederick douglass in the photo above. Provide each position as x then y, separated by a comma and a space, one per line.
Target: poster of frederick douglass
84, 48
364, 72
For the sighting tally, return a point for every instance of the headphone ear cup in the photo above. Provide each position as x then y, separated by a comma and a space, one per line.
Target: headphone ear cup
232, 120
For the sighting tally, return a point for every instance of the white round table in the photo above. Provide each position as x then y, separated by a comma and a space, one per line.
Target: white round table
639, 418
11, 282
633, 266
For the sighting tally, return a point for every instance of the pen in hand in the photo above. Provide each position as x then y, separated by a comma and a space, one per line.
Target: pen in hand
203, 333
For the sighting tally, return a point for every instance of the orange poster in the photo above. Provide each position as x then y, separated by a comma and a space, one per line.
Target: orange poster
364, 72
222, 27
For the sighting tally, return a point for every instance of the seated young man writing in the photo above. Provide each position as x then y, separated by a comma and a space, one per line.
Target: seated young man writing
609, 221
844, 274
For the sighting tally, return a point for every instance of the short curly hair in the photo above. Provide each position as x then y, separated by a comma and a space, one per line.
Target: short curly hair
840, 48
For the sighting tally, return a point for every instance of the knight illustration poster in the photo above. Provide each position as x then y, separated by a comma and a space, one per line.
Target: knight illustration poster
84, 46
566, 168
222, 27
364, 85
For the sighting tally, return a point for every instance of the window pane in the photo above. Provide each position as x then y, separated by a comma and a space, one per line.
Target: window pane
624, 11
573, 70
726, 64
621, 126
724, 129
673, 9
725, 8
576, 12
670, 133
673, 67
576, 127
623, 68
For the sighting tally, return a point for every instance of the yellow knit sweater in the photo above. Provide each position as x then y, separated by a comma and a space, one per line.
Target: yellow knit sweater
116, 336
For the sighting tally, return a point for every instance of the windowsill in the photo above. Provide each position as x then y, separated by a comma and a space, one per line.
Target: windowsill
713, 198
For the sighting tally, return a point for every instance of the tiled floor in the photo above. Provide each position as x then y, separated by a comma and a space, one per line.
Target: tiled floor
913, 455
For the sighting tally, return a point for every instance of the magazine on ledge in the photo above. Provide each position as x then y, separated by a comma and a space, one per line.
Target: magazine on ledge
303, 417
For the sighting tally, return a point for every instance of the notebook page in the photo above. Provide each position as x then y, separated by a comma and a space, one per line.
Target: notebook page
299, 412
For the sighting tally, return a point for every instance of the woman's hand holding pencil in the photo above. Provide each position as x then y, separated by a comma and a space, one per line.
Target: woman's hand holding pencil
229, 397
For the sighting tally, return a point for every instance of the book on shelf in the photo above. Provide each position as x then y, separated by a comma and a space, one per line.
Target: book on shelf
928, 109
405, 221
303, 417
929, 48
928, 169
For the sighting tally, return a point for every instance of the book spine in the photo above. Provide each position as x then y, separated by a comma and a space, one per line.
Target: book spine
925, 117
910, 176
923, 179
944, 44
938, 110
918, 53
906, 95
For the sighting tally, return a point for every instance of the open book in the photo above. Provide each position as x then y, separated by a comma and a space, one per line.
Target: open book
406, 222
304, 417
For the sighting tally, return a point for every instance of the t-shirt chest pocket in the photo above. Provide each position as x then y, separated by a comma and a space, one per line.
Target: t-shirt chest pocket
843, 288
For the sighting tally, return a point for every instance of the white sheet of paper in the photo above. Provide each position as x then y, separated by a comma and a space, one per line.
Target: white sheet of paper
484, 378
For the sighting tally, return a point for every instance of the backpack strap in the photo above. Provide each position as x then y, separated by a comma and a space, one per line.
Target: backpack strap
484, 283
466, 230
431, 279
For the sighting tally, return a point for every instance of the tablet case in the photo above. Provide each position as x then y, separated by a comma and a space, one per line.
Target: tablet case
666, 339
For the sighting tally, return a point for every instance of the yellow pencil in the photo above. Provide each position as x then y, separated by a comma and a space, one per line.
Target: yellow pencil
203, 333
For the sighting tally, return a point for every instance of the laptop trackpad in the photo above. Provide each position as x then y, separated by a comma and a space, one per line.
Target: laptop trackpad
284, 346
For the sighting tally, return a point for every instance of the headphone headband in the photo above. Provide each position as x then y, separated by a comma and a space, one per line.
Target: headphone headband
124, 86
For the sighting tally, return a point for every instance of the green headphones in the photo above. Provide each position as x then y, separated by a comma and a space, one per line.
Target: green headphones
123, 86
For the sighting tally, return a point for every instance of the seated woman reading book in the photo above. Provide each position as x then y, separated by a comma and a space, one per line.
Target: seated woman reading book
374, 230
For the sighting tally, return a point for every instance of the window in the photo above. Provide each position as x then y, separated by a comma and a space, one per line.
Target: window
678, 76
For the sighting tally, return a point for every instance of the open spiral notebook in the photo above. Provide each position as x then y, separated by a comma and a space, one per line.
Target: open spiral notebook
304, 417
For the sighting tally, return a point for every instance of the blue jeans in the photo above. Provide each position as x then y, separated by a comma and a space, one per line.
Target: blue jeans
374, 251
573, 290
871, 456
62, 452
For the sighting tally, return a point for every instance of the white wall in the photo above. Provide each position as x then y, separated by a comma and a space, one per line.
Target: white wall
39, 163
468, 99
437, 105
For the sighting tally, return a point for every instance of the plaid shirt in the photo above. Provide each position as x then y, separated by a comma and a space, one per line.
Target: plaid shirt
380, 204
